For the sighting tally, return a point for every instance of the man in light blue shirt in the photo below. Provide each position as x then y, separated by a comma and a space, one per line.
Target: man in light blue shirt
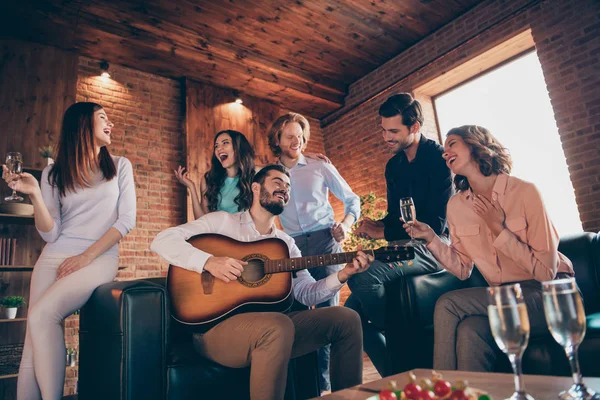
309, 217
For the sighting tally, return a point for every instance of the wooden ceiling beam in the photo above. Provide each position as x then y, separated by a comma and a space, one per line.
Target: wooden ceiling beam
90, 40
185, 37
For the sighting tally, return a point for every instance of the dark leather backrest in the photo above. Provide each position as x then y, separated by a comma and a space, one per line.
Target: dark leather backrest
583, 249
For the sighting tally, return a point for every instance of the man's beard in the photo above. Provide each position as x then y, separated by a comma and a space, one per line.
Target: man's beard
273, 206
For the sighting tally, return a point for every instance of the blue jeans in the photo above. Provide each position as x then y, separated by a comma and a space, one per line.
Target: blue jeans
368, 298
312, 244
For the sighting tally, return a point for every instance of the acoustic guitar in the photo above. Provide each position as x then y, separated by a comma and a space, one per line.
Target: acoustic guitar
265, 284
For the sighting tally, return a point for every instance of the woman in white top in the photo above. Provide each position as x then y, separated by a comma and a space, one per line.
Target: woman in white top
85, 205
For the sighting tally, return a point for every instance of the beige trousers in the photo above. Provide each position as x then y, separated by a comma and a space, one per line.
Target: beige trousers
267, 341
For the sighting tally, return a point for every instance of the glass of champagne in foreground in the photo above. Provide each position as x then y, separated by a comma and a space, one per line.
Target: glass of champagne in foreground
509, 322
14, 163
408, 214
566, 320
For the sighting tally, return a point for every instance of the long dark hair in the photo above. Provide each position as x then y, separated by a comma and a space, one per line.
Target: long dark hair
215, 177
76, 157
486, 150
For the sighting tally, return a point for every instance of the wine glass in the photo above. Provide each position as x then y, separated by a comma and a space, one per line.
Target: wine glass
14, 163
566, 320
408, 214
509, 322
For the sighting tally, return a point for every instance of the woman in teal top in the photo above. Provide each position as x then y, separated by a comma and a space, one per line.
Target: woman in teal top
226, 185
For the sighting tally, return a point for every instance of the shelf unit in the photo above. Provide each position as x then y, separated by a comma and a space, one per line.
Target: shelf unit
16, 219
16, 268
11, 273
13, 320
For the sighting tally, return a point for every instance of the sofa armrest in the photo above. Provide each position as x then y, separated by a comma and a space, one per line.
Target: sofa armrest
123, 342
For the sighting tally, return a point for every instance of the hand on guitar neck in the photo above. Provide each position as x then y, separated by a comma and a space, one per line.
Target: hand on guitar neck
229, 269
226, 269
359, 264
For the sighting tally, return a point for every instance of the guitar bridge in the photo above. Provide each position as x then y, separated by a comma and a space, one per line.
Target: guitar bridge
208, 282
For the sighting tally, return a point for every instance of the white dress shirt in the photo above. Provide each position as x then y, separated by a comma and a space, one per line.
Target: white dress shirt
309, 209
172, 246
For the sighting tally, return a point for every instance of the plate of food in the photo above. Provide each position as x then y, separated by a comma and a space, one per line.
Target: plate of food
436, 388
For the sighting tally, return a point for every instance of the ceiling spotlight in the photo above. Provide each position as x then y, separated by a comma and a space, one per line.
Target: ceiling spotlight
104, 69
237, 96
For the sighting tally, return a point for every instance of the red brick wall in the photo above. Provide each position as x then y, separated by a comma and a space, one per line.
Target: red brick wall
147, 112
567, 37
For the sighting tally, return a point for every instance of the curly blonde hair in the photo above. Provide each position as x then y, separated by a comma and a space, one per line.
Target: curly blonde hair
486, 150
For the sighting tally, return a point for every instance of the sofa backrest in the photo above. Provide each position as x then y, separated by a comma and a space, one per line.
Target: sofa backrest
583, 249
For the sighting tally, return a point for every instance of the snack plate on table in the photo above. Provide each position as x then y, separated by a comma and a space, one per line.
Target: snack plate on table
435, 388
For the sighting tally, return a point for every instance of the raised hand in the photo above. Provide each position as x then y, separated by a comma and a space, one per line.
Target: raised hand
226, 269
23, 182
183, 177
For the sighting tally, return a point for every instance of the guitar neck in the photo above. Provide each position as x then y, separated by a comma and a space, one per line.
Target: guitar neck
298, 263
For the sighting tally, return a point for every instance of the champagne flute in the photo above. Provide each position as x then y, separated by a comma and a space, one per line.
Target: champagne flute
565, 317
14, 163
509, 322
408, 214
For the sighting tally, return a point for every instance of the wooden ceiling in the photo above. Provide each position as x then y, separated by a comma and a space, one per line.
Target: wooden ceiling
301, 54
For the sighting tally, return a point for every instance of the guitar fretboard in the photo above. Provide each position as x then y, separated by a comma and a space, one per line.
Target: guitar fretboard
298, 263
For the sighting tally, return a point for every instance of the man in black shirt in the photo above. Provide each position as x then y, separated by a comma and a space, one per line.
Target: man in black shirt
416, 170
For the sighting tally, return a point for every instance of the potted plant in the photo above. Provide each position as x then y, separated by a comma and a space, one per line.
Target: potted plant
11, 304
71, 356
47, 152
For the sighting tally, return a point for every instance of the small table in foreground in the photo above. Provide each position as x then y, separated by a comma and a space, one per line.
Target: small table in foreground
499, 386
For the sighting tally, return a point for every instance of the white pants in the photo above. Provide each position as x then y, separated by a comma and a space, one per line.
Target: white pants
42, 371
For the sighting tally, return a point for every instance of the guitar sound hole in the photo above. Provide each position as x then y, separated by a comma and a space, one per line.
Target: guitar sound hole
253, 271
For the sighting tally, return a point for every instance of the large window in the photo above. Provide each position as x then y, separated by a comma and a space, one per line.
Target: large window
513, 103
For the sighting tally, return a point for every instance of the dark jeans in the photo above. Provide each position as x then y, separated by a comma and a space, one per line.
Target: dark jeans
368, 300
312, 244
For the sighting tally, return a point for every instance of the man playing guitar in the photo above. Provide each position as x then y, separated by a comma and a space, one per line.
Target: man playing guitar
267, 340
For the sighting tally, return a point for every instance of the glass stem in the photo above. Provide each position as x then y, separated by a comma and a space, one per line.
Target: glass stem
574, 361
515, 360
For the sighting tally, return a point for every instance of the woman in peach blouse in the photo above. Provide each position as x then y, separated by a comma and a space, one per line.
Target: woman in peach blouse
499, 223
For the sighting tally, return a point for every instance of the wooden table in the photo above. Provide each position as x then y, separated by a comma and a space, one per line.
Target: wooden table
499, 386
